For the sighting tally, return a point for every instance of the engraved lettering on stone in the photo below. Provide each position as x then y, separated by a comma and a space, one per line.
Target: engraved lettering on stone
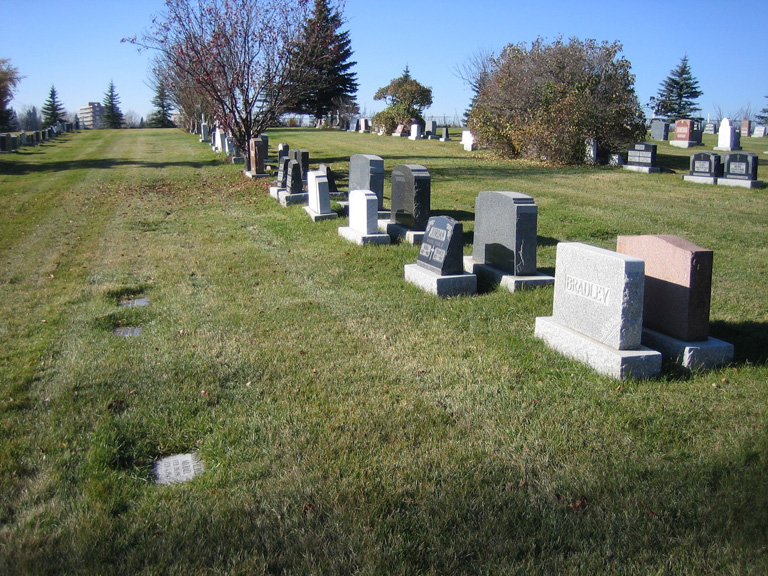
738, 167
586, 289
439, 255
701, 166
438, 234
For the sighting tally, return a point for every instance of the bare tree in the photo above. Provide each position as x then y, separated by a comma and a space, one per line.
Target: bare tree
238, 54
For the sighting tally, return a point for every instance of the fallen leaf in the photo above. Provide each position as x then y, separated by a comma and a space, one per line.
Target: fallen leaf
204, 393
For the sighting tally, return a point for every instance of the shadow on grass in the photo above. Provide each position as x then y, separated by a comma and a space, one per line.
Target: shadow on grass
676, 163
749, 339
23, 168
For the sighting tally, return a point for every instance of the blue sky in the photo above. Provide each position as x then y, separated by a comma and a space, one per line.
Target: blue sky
75, 45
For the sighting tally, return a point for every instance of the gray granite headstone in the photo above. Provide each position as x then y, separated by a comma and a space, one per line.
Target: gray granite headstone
659, 130
127, 331
330, 177
282, 172
295, 181
706, 164
317, 188
442, 249
302, 157
366, 172
740, 166
505, 232
411, 192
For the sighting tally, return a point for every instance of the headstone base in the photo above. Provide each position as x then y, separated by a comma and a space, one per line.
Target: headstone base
683, 143
691, 355
645, 169
452, 285
727, 148
238, 160
400, 232
274, 191
737, 183
251, 174
620, 364
206, 140
290, 199
362, 239
700, 179
493, 275
316, 216
445, 139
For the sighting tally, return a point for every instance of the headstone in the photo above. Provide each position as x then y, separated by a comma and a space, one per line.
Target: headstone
204, 133
5, 142
597, 312
257, 155
659, 130
439, 266
366, 172
740, 169
318, 198
265, 146
616, 160
415, 132
685, 135
282, 151
759, 131
430, 129
642, 158
504, 246
728, 138
590, 151
676, 302
177, 468
302, 157
281, 184
365, 125
444, 134
326, 171
14, 142
400, 131
746, 127
295, 181
710, 128
705, 168
363, 219
468, 140
354, 125
411, 192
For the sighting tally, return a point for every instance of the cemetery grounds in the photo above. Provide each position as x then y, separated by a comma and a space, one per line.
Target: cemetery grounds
348, 422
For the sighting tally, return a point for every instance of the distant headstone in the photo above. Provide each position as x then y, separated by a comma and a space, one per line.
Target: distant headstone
399, 131
444, 137
590, 151
363, 219
256, 151
430, 129
468, 140
5, 142
746, 127
642, 158
281, 183
439, 268
728, 138
294, 189
759, 131
302, 157
504, 246
616, 160
597, 312
354, 125
411, 192
366, 172
705, 168
415, 132
686, 135
710, 128
659, 130
676, 301
283, 151
204, 133
318, 197
365, 125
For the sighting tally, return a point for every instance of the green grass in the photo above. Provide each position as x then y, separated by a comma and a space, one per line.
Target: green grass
350, 423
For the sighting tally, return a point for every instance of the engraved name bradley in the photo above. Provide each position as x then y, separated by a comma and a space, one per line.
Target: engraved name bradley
586, 289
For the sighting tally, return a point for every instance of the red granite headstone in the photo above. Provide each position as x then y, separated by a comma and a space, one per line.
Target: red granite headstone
684, 130
678, 284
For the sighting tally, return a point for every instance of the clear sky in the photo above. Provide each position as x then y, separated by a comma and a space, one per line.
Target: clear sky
75, 45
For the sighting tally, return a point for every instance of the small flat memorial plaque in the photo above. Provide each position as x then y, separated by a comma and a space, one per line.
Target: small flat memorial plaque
178, 468
134, 302
127, 331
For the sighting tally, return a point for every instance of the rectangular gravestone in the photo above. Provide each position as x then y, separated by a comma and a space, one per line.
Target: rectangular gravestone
281, 183
256, 153
746, 128
411, 192
439, 265
759, 131
728, 138
710, 128
399, 131
415, 132
740, 169
365, 125
283, 150
468, 140
204, 134
363, 219
354, 125
294, 189
685, 135
302, 157
430, 129
444, 136
642, 158
366, 172
318, 197
705, 168
177, 468
326, 171
659, 130
676, 304
597, 314
5, 142
505, 241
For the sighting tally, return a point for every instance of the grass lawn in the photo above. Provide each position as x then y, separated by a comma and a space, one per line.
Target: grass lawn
348, 422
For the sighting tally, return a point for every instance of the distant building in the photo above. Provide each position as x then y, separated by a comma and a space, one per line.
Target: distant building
91, 116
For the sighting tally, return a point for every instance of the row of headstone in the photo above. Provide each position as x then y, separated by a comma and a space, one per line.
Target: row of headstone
12, 142
624, 312
734, 169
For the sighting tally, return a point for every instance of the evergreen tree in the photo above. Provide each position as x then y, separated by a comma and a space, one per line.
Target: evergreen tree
762, 116
53, 110
326, 52
30, 119
113, 117
9, 80
406, 99
161, 117
676, 98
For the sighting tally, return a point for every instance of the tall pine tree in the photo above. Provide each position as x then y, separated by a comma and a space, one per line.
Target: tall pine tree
676, 98
161, 117
327, 51
53, 109
113, 117
762, 116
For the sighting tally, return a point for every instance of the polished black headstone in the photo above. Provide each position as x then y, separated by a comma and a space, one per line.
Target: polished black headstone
706, 164
740, 166
442, 249
295, 183
642, 154
411, 190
